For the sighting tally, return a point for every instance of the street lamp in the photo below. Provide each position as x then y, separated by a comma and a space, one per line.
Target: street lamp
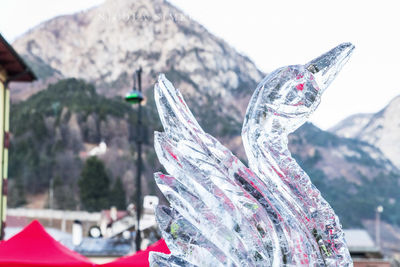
135, 97
379, 210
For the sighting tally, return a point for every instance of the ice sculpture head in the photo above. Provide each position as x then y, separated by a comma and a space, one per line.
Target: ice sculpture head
325, 67
286, 97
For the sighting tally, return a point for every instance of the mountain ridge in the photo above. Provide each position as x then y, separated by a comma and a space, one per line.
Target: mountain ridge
380, 129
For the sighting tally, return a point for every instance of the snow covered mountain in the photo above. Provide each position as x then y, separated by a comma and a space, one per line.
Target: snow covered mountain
381, 129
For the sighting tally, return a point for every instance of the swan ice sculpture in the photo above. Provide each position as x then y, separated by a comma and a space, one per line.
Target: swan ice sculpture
225, 214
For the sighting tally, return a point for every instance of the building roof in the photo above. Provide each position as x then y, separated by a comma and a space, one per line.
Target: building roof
92, 247
106, 215
13, 63
358, 240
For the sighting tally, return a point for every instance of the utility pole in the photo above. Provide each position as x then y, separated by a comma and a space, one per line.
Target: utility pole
139, 163
378, 211
51, 198
136, 97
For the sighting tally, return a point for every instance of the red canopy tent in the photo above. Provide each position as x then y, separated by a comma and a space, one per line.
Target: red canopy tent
141, 258
34, 247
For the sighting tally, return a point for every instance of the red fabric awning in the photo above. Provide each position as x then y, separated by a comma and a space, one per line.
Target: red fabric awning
34, 247
141, 258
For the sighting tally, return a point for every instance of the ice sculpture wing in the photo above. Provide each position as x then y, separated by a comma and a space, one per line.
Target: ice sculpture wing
222, 213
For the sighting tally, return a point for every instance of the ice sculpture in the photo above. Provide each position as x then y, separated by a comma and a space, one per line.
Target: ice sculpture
225, 214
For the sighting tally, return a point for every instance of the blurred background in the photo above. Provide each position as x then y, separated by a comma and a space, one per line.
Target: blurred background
74, 139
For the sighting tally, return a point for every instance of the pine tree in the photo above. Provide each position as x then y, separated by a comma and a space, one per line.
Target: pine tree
94, 185
118, 195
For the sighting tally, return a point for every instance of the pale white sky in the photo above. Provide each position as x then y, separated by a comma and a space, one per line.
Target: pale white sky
276, 33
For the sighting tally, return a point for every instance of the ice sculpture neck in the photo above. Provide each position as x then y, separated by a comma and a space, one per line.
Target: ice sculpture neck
282, 102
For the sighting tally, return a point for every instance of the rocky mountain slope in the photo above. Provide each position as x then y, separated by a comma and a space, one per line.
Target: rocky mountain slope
381, 130
339, 157
354, 176
106, 44
54, 131
351, 126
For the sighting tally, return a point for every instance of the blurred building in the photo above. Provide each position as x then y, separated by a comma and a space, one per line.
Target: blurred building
58, 219
12, 69
363, 250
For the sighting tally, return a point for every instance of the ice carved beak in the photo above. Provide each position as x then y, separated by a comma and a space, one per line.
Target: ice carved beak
327, 66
